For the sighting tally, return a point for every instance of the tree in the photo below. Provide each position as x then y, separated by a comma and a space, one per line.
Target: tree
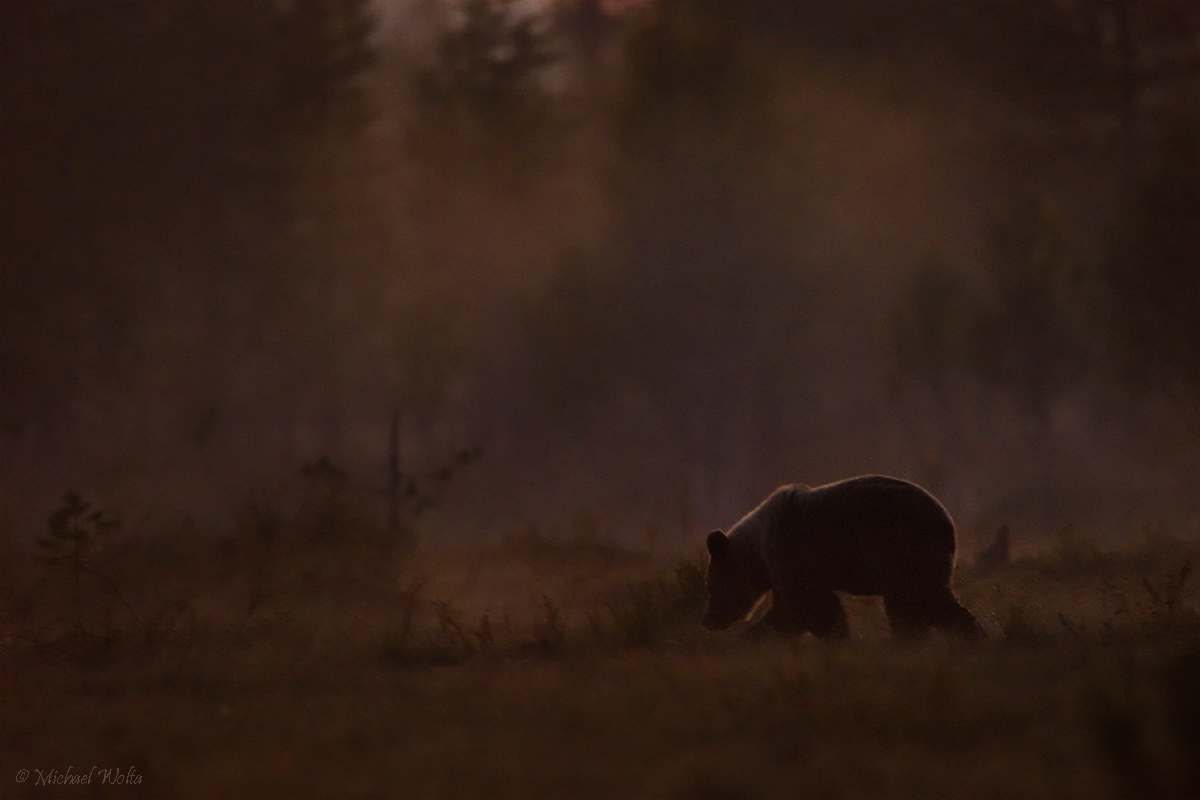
929, 326
1149, 45
140, 138
581, 339
1020, 332
712, 301
694, 67
1152, 272
325, 50
1030, 342
486, 88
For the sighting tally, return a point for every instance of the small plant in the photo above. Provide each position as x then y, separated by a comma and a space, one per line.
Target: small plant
691, 593
1074, 546
77, 532
421, 491
329, 510
643, 612
400, 634
1167, 592
261, 524
638, 617
485, 640
408, 600
549, 629
411, 494
1018, 626
452, 641
1116, 599
174, 620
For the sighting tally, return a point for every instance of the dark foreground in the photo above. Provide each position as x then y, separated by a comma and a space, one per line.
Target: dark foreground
576, 671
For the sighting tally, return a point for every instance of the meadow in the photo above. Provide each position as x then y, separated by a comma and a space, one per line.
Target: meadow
655, 257
301, 657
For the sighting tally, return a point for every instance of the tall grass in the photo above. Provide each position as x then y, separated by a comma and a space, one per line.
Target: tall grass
270, 661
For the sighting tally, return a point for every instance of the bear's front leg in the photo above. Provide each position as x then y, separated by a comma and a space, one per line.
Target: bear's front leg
818, 612
777, 619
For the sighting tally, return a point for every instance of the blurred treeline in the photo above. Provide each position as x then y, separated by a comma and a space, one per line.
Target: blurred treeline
654, 257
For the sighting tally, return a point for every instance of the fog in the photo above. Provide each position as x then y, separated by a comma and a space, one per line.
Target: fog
654, 259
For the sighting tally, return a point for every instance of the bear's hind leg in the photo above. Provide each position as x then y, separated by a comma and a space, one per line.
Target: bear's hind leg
956, 618
820, 613
914, 614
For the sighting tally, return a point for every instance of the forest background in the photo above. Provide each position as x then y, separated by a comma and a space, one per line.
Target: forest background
653, 258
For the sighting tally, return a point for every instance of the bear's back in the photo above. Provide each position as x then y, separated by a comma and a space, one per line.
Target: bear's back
861, 535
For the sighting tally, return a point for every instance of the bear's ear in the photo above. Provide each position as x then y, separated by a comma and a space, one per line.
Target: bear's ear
718, 544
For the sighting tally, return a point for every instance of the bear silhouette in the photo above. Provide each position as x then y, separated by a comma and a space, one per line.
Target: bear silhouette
871, 535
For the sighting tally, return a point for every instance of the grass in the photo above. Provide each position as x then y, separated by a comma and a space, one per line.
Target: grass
307, 668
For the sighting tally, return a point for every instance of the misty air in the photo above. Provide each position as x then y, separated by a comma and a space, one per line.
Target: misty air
492, 398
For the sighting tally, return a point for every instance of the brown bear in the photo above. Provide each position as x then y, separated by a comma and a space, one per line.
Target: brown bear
871, 535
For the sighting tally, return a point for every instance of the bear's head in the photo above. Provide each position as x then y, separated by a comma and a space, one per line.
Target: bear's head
733, 583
